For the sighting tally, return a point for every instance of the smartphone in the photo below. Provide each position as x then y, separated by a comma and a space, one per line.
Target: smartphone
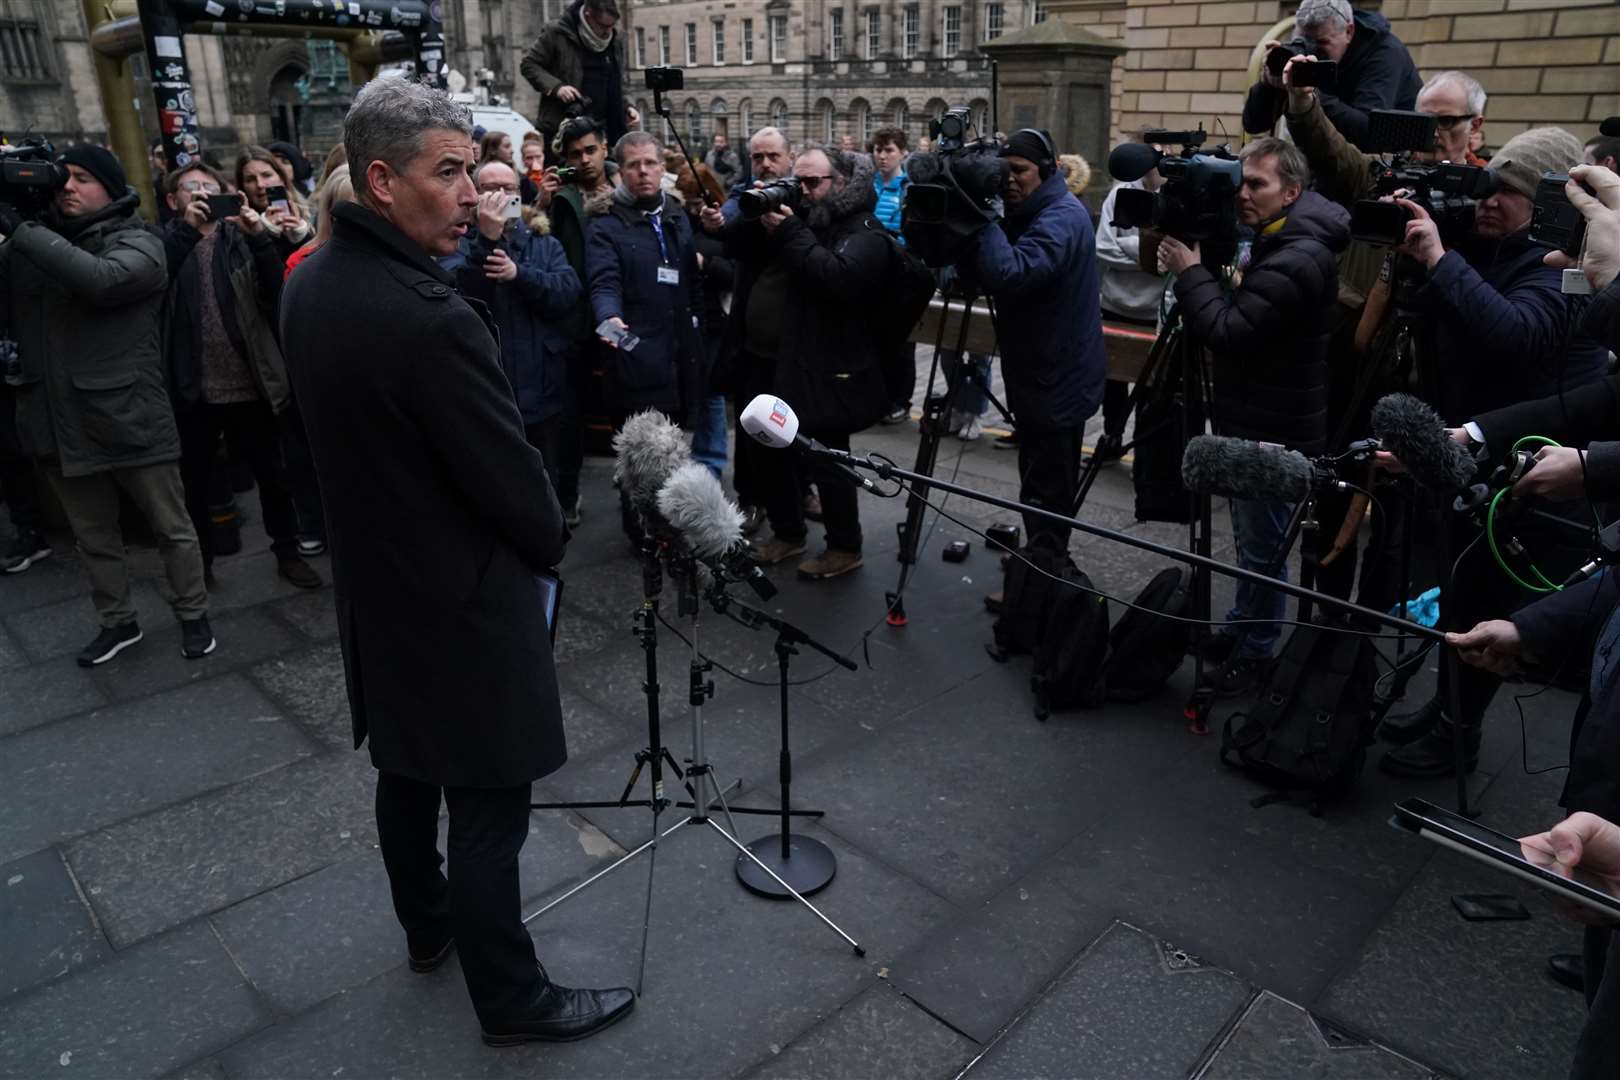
617, 336
550, 585
513, 209
221, 207
1316, 73
278, 198
1496, 849
1554, 220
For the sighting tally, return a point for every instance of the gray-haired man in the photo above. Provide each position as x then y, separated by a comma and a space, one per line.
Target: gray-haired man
446, 650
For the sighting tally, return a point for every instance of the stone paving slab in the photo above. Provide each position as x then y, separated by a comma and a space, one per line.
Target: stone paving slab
1128, 1006
1278, 1040
49, 931
35, 695
102, 767
11, 654
66, 626
153, 872
59, 578
242, 637
309, 685
313, 614
143, 1013
878, 1034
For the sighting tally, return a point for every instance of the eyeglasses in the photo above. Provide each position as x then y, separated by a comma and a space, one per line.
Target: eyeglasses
200, 187
1448, 122
812, 182
510, 189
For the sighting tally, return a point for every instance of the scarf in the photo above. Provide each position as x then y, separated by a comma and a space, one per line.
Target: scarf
587, 34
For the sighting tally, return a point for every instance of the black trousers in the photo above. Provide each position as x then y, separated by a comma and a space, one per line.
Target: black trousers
1381, 585
1116, 407
1597, 1051
1049, 477
481, 901
251, 431
17, 477
900, 374
306, 487
552, 437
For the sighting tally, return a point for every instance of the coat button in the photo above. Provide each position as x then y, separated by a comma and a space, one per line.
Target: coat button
439, 290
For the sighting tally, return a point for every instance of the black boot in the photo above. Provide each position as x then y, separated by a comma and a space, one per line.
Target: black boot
1409, 727
1434, 755
1568, 969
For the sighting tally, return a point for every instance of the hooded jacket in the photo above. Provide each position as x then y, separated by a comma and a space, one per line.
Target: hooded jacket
557, 58
1040, 268
86, 299
1270, 334
1376, 73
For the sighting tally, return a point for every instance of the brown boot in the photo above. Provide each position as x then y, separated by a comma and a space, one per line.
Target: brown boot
829, 563
993, 602
776, 550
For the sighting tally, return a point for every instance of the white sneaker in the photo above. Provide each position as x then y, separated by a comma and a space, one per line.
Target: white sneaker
970, 431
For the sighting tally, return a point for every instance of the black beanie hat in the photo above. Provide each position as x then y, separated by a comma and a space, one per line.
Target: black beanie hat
101, 164
1026, 143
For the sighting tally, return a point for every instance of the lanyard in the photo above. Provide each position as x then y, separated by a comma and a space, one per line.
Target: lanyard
657, 220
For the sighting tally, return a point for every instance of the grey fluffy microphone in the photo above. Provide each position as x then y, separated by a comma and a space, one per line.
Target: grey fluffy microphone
650, 448
1413, 432
1243, 469
696, 507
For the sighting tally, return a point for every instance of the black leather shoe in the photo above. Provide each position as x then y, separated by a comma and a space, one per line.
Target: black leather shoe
1568, 969
1408, 727
426, 958
1110, 448
1432, 756
562, 1014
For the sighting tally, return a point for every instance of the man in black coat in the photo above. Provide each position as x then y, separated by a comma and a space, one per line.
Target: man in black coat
445, 645
1269, 337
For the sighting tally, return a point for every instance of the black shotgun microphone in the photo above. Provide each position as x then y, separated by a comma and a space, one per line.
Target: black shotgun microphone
1415, 434
1244, 469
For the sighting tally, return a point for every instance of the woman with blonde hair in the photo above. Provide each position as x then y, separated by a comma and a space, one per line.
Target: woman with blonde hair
335, 189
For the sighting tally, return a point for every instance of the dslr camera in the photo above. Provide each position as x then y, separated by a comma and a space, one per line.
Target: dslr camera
1448, 192
955, 191
30, 176
757, 202
1197, 202
1316, 73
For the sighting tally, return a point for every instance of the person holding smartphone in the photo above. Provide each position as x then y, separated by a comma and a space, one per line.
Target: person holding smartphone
269, 189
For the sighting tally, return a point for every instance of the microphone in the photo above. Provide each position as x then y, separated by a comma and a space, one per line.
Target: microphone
650, 448
1132, 161
1244, 469
772, 422
1413, 432
692, 501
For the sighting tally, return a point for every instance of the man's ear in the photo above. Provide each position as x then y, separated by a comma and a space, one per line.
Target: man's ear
1292, 193
379, 184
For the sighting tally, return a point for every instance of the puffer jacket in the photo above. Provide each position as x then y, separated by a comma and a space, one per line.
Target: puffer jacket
557, 59
1270, 334
86, 300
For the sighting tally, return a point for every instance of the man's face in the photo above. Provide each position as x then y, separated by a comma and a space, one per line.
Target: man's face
1023, 177
286, 162
191, 186
497, 176
432, 199
1503, 214
1263, 198
816, 175
589, 156
159, 163
601, 22
769, 156
534, 157
81, 195
641, 170
720, 142
258, 177
887, 157
1329, 41
1449, 105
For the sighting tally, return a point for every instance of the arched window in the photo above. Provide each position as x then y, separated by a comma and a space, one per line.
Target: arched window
779, 115
827, 120
900, 115
694, 121
860, 120
745, 118
719, 117
979, 115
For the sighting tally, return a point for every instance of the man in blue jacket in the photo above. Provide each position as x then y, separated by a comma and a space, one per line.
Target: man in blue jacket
1375, 70
525, 280
1040, 267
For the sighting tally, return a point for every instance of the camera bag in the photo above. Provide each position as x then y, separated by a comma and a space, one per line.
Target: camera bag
1068, 669
1144, 650
1026, 599
1308, 731
910, 286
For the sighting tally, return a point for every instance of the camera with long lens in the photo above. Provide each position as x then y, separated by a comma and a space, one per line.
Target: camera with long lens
955, 191
949, 132
1448, 192
1196, 204
30, 177
768, 198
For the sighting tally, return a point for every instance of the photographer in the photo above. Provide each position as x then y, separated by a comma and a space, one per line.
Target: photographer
577, 64
1269, 336
1039, 266
770, 158
1375, 69
1129, 294
91, 407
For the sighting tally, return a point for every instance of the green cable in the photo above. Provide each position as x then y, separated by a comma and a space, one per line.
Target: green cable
1490, 531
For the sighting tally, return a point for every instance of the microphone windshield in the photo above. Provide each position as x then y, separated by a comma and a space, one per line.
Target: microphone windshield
771, 421
1132, 161
1243, 469
1413, 432
693, 502
649, 449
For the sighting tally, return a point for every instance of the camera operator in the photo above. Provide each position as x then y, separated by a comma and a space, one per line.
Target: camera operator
1375, 69
531, 290
1269, 336
642, 274
1129, 294
1039, 266
91, 406
577, 63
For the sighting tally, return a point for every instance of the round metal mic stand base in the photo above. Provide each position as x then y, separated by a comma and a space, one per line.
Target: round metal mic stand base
809, 866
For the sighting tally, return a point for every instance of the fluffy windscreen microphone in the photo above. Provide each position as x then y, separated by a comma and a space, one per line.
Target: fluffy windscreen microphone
1243, 469
1413, 432
650, 448
694, 504
924, 168
1132, 161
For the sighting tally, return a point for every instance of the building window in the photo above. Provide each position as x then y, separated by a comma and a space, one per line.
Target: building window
663, 46
860, 121
979, 116
641, 48
910, 31
745, 116
691, 44
779, 110
1038, 12
718, 42
900, 115
829, 122
748, 41
874, 32
951, 40
835, 34
994, 21
24, 52
694, 121
778, 39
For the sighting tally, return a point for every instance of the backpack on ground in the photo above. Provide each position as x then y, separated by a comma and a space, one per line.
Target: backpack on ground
1308, 731
1144, 650
1050, 611
1026, 598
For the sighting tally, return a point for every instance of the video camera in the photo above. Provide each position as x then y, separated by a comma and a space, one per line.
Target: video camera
1197, 202
1323, 73
757, 202
30, 176
1447, 191
955, 191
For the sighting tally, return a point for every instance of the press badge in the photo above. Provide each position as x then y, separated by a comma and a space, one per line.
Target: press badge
668, 275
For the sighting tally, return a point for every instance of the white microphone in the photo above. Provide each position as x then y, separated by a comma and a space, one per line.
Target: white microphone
772, 422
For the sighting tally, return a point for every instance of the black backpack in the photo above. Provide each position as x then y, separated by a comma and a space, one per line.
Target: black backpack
1308, 731
908, 289
1026, 599
1143, 649
1068, 669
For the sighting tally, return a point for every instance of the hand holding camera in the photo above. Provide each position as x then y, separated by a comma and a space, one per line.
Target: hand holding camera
1422, 240
494, 211
1595, 192
1176, 257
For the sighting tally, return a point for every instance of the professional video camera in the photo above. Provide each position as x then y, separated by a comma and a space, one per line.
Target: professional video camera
1447, 191
785, 192
1197, 202
29, 176
1316, 73
954, 191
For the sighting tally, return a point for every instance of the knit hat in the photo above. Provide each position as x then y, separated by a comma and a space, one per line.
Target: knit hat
1522, 160
104, 166
1026, 143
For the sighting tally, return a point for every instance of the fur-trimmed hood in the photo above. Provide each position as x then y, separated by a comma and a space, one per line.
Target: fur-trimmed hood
859, 195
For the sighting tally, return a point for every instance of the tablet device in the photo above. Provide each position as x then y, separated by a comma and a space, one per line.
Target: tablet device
1501, 851
550, 587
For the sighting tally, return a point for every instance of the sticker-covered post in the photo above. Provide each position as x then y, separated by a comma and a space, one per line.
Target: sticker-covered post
161, 29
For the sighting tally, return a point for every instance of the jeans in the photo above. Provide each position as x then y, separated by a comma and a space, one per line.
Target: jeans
971, 399
1259, 526
709, 435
